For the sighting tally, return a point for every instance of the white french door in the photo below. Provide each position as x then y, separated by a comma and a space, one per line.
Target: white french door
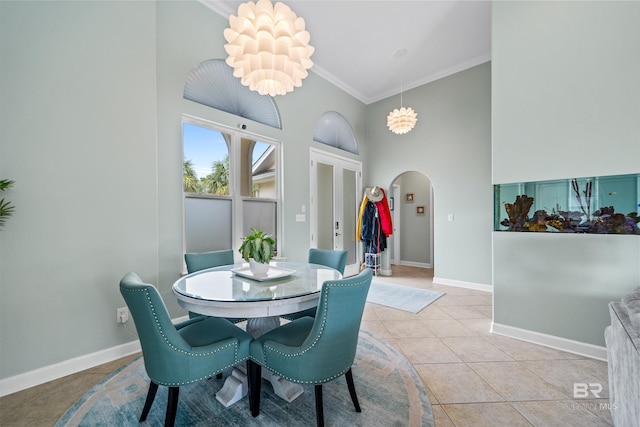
336, 183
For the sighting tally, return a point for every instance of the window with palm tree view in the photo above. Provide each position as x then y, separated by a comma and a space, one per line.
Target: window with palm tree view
230, 184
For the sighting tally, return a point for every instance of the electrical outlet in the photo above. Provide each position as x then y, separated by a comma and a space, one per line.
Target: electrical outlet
122, 315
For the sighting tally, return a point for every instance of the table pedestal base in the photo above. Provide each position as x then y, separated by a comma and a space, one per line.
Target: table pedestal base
257, 326
236, 385
284, 388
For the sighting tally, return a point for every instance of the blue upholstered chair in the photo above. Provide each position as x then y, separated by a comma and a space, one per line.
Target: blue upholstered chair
197, 261
180, 354
314, 351
329, 258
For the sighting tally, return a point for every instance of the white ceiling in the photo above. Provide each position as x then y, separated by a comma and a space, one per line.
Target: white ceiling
356, 41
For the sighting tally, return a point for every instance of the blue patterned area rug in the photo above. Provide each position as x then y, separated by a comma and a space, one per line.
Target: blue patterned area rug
401, 297
390, 392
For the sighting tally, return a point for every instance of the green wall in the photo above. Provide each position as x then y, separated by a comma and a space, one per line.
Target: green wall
78, 136
565, 102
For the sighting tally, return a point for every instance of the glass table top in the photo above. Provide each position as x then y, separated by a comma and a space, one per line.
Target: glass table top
223, 284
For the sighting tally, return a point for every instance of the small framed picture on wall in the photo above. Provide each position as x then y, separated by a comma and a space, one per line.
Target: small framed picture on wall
408, 197
420, 210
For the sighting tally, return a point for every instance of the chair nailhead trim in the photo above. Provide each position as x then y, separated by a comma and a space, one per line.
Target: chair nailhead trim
324, 317
186, 353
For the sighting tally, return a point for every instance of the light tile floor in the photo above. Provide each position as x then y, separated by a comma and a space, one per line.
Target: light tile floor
474, 378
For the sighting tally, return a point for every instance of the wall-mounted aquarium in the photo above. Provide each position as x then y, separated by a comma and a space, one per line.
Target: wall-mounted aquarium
596, 205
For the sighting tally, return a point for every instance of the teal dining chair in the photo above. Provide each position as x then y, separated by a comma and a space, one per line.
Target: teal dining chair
180, 354
197, 261
326, 257
314, 350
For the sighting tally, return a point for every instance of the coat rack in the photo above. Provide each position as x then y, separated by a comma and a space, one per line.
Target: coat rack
374, 226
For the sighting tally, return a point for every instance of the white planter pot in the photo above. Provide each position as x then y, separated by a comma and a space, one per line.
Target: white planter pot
257, 268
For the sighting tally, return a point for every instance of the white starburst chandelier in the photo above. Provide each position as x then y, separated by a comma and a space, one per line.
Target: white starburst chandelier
268, 47
403, 119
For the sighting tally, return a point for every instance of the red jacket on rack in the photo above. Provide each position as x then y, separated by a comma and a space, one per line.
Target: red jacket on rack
385, 215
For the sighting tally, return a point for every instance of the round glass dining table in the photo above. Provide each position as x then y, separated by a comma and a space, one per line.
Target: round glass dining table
232, 291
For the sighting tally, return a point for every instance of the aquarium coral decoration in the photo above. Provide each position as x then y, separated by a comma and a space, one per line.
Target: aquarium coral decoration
602, 221
586, 207
607, 221
518, 213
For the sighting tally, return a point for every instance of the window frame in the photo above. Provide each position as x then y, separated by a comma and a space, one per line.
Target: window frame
235, 180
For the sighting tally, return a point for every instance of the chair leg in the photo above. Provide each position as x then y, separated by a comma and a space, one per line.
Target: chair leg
255, 383
352, 389
151, 394
172, 407
319, 406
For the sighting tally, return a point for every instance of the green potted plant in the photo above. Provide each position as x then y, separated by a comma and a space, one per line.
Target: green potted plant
257, 249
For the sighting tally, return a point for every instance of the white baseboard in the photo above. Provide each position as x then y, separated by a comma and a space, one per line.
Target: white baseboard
67, 367
416, 264
462, 284
385, 272
72, 366
558, 343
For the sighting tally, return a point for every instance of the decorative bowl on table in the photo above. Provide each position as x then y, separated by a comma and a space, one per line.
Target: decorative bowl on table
272, 273
258, 269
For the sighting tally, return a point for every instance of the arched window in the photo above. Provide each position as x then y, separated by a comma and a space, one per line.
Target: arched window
213, 84
334, 130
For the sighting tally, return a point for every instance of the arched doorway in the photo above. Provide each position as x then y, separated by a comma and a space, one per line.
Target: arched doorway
412, 240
